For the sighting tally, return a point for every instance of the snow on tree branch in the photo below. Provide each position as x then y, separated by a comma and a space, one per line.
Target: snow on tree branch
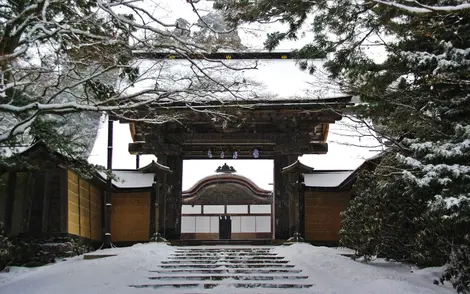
417, 7
59, 58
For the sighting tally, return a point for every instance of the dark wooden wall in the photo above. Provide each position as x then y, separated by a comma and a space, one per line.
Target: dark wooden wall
32, 202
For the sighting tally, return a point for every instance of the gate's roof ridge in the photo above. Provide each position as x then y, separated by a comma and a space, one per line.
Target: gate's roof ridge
261, 103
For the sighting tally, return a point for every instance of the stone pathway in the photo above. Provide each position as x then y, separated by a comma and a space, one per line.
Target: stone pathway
238, 267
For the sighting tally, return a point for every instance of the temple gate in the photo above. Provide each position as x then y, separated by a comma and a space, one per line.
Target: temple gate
280, 130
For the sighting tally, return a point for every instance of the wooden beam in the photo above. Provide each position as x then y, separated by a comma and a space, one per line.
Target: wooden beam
203, 155
263, 137
244, 151
154, 148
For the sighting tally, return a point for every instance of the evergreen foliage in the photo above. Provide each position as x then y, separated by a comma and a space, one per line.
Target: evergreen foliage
411, 66
5, 249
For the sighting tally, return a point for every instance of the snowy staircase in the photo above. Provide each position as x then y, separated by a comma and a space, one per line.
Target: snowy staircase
235, 267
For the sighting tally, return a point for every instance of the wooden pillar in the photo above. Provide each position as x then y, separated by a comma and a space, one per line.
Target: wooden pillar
156, 202
279, 222
162, 188
10, 201
290, 182
301, 207
173, 199
153, 201
284, 198
161, 200
107, 223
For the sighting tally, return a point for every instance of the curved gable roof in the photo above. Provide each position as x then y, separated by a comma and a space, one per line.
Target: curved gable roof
226, 189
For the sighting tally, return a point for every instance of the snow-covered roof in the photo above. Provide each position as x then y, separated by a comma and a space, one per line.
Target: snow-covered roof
297, 167
246, 79
196, 80
326, 179
81, 128
131, 179
11, 151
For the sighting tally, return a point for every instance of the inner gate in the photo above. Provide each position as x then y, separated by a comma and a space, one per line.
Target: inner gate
280, 130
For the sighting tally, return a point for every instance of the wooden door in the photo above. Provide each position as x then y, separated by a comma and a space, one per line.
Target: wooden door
225, 227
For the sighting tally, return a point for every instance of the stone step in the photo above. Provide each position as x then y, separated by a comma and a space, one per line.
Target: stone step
225, 248
230, 253
184, 253
225, 253
207, 285
224, 277
195, 269
222, 260
198, 266
234, 257
194, 250
227, 271
219, 253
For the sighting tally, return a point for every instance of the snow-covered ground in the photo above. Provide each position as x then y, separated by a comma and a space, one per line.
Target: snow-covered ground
332, 272
326, 268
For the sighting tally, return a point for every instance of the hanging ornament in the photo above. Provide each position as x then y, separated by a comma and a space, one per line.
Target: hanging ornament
222, 155
255, 153
235, 155
209, 153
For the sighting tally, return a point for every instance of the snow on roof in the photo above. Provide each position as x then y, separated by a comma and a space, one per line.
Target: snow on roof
131, 179
6, 151
247, 79
272, 79
326, 179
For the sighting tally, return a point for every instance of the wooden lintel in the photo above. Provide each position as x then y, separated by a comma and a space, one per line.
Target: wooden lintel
148, 148
200, 150
244, 138
227, 142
